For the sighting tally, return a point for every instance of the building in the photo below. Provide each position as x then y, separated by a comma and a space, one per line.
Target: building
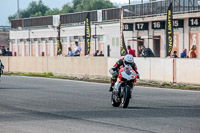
4, 36
144, 24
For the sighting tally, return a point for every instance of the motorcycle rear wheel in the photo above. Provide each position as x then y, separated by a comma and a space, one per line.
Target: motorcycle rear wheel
126, 97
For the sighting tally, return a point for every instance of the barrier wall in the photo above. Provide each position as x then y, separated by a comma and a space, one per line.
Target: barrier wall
151, 69
188, 71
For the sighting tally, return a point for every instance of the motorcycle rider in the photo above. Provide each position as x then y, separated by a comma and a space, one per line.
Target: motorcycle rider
1, 67
127, 60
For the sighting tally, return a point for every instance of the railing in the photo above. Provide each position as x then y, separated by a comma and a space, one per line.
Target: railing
135, 11
4, 28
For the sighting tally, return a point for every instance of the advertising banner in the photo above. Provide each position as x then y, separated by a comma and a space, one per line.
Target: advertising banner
87, 34
170, 30
123, 50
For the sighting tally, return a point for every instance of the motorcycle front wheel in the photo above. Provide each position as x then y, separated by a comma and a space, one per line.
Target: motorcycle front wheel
126, 97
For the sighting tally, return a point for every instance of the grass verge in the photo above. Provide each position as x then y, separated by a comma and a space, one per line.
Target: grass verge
139, 83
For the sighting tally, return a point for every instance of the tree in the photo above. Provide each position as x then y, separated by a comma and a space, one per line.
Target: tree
36, 9
66, 9
54, 11
76, 3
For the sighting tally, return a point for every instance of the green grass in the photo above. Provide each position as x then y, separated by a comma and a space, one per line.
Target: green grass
139, 83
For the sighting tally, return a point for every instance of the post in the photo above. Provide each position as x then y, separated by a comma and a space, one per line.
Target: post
95, 37
29, 39
18, 8
129, 2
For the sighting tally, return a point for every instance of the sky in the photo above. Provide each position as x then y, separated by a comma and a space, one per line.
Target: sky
9, 7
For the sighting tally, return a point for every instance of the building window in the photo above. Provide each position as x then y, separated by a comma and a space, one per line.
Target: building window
117, 41
113, 41
100, 38
55, 40
63, 39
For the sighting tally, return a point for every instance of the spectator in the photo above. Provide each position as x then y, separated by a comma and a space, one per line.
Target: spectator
96, 53
70, 53
0, 50
8, 52
147, 52
101, 54
131, 52
77, 49
3, 50
192, 53
183, 54
175, 54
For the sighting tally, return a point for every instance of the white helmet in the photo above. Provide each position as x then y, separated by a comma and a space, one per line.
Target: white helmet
128, 60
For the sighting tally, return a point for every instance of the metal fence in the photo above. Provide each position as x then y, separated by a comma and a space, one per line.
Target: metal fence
135, 11
160, 7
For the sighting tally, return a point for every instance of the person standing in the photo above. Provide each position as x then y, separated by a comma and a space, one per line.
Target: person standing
70, 53
130, 51
77, 49
183, 54
147, 52
0, 50
101, 54
96, 53
192, 53
3, 50
175, 55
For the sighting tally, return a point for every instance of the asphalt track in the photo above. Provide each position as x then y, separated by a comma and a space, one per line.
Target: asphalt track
39, 105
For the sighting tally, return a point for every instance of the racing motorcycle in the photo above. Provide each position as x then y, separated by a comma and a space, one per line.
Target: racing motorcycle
123, 88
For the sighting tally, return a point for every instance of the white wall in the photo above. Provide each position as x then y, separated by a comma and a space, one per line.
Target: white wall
185, 71
188, 71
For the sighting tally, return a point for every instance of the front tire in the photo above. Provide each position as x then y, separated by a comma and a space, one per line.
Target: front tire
113, 101
126, 97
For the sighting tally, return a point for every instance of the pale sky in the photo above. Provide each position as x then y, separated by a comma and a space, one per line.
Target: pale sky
9, 7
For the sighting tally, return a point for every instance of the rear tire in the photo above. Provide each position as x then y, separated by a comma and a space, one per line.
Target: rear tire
114, 103
126, 97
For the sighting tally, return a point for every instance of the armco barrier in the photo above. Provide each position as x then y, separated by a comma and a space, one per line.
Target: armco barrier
151, 69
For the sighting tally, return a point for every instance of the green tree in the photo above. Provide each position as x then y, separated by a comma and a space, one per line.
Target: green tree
76, 3
66, 9
54, 11
87, 5
34, 9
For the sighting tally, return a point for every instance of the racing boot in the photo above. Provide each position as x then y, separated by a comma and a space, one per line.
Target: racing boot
112, 85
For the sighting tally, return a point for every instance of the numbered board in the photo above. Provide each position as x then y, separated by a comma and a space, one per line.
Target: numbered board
158, 24
178, 23
141, 26
128, 27
194, 22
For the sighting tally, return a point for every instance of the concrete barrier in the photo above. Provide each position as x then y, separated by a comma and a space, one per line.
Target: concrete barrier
151, 69
188, 71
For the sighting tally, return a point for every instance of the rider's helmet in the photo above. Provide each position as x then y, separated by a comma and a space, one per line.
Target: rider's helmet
128, 60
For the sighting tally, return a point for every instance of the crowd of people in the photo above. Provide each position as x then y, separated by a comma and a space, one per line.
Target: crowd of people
143, 52
192, 53
4, 52
77, 50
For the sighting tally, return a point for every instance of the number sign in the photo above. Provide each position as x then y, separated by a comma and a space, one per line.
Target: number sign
178, 23
194, 22
158, 25
141, 26
128, 27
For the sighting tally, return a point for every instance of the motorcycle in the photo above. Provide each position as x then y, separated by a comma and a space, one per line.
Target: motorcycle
122, 91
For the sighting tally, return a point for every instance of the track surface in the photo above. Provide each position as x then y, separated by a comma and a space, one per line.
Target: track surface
39, 105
